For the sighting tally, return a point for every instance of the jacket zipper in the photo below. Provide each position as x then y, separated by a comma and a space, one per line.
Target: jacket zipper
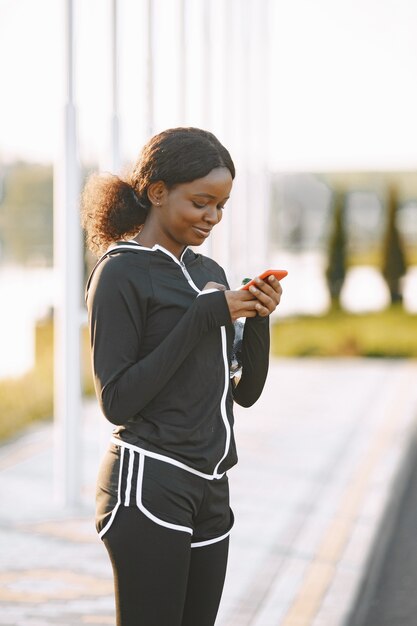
188, 277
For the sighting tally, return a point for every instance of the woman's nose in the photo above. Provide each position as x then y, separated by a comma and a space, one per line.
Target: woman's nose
213, 215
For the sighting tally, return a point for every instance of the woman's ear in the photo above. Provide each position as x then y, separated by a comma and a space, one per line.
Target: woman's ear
157, 192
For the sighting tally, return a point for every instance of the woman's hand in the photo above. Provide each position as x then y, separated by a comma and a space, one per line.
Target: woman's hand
241, 303
261, 300
212, 285
268, 294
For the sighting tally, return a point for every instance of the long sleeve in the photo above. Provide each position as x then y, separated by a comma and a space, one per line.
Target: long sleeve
255, 361
126, 383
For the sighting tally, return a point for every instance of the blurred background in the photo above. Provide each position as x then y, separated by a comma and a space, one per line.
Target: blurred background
316, 102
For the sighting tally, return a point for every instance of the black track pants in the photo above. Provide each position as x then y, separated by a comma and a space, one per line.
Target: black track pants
159, 579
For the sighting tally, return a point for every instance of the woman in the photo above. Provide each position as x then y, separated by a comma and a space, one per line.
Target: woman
161, 321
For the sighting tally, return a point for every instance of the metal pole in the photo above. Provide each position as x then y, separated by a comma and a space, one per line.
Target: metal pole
225, 252
115, 125
67, 260
264, 126
207, 64
182, 82
229, 244
207, 247
150, 122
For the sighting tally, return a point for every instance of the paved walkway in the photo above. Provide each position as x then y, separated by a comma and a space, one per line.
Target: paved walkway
323, 457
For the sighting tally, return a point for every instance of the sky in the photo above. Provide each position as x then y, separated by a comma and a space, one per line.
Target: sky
338, 89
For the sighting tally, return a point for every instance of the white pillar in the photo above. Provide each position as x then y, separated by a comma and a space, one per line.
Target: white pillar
265, 126
239, 121
206, 69
115, 124
182, 65
257, 134
110, 159
67, 261
150, 122
223, 62
207, 246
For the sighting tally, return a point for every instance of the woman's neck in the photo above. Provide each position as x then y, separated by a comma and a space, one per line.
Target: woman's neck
150, 239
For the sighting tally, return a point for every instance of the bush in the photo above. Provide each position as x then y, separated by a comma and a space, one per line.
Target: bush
336, 268
342, 334
394, 260
30, 398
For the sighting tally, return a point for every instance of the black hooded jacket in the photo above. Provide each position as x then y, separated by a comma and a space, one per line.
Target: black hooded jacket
161, 352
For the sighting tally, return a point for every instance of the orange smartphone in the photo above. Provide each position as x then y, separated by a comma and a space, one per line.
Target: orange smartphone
279, 274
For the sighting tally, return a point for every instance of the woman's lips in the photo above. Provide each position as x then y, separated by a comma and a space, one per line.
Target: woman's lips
203, 232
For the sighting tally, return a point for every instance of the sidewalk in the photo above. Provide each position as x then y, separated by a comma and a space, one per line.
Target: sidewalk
323, 457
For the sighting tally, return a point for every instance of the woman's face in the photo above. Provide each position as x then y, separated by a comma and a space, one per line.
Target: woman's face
189, 211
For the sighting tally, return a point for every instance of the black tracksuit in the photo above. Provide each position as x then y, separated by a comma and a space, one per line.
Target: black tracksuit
161, 352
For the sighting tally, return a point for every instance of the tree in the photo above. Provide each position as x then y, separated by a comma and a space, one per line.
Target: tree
394, 264
336, 268
26, 213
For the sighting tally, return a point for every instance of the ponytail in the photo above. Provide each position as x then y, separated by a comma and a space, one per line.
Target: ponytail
110, 211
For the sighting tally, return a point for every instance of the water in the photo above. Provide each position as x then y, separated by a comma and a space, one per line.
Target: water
26, 296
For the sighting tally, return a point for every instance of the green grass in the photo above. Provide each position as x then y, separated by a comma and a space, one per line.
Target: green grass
374, 256
30, 398
391, 333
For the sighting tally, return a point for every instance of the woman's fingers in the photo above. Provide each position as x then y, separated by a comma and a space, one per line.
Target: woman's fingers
268, 293
261, 300
241, 304
212, 285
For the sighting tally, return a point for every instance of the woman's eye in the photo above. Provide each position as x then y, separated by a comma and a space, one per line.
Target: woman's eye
198, 206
